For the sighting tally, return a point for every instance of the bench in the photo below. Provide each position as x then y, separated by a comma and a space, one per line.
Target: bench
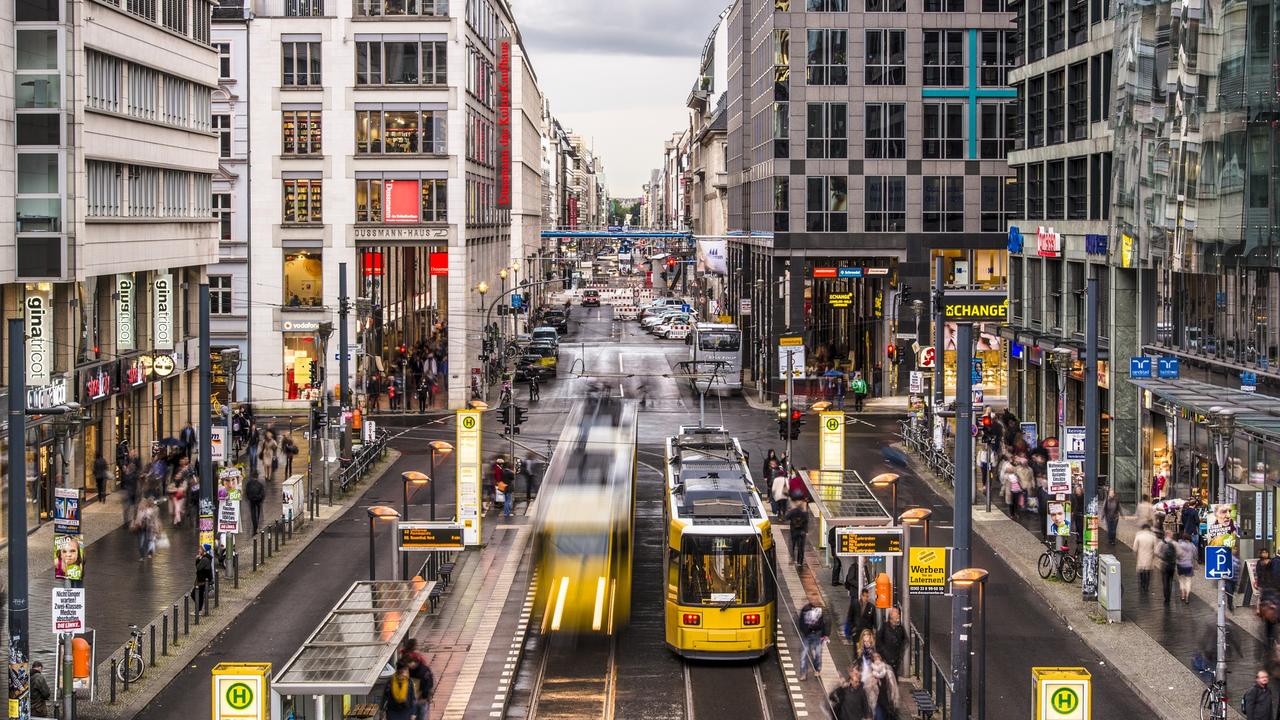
437, 591
924, 704
445, 573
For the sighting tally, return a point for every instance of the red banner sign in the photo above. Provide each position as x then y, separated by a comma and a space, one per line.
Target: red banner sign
824, 272
400, 201
439, 263
504, 125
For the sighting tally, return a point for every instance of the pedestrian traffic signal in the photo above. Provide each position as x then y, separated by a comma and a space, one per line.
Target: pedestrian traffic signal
522, 414
892, 352
504, 414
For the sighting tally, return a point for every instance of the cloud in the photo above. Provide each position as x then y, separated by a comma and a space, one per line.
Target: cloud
655, 28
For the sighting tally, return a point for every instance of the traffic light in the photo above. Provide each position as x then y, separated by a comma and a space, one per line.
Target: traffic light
797, 422
892, 352
522, 414
504, 414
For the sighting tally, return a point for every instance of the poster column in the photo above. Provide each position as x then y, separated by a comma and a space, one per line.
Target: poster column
468, 476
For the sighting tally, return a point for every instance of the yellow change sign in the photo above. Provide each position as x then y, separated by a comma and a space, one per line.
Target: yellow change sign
241, 691
1062, 693
927, 571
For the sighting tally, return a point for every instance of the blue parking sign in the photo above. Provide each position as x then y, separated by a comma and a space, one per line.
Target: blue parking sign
1217, 562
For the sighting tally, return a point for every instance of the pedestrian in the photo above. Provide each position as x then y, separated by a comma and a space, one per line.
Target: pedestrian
255, 439
399, 701
100, 476
839, 391
865, 617
146, 522
422, 676
1145, 514
535, 393
1111, 515
178, 491
770, 458
859, 388
497, 476
290, 450
122, 455
424, 391
1144, 546
1190, 519
815, 632
1011, 485
1260, 702
779, 492
798, 519
795, 485
129, 481
849, 700
891, 638
255, 492
188, 439
882, 689
267, 457
1168, 553
1186, 558
864, 651
40, 692
204, 576
504, 494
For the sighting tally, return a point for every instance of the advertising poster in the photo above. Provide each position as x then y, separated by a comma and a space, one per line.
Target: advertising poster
68, 557
66, 511
400, 201
1223, 525
713, 257
1060, 519
1030, 433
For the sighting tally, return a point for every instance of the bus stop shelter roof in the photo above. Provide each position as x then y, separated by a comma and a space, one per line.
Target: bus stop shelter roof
347, 652
844, 498
1256, 413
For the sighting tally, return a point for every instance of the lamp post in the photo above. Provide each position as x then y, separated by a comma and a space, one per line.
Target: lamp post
962, 582
920, 517
323, 333
376, 513
230, 359
888, 480
443, 448
502, 275
1061, 360
1222, 424
417, 479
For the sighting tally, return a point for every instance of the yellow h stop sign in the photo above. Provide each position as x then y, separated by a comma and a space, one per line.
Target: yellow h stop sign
240, 691
1062, 693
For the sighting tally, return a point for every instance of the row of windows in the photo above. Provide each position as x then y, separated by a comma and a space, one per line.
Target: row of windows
116, 85
482, 134
1055, 25
481, 193
398, 131
402, 8
379, 199
481, 77
885, 56
885, 203
1060, 104
378, 62
885, 130
190, 18
1077, 188
137, 191
951, 6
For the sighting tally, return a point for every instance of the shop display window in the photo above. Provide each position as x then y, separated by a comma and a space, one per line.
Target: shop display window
302, 199
303, 279
300, 357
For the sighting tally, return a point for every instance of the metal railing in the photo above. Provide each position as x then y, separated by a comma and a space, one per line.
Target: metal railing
363, 462
933, 681
919, 440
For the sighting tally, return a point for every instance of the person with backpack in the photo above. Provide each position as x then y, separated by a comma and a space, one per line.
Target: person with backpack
399, 700
255, 492
815, 631
290, 450
420, 672
798, 519
859, 388
1168, 564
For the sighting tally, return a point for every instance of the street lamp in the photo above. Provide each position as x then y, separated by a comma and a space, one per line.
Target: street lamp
1222, 424
443, 448
409, 477
230, 360
376, 513
1061, 358
888, 480
964, 580
479, 405
913, 517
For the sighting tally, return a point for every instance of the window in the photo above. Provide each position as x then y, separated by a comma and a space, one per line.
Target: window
302, 201
1055, 189
222, 211
104, 188
202, 27
1076, 286
711, 567
886, 57
1077, 22
826, 5
402, 8
301, 131
1078, 101
828, 59
177, 101
1056, 111
1053, 283
1077, 188
885, 5
1100, 186
781, 130
826, 131
827, 205
951, 6
1013, 189
401, 131
301, 64
996, 131
102, 81
943, 57
1035, 191
995, 6
144, 191
303, 279
224, 60
401, 62
944, 204
1015, 287
943, 131
996, 51
1056, 29
885, 204
401, 201
1099, 10
304, 8
219, 294
222, 126
1036, 301
781, 64
1035, 30
1100, 85
174, 15
886, 130
1035, 111
144, 8
144, 92
781, 203
996, 213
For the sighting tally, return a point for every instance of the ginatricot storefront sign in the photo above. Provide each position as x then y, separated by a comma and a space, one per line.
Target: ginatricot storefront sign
162, 312
39, 330
125, 336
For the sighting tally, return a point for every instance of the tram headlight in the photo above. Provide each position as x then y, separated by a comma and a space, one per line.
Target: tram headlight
694, 619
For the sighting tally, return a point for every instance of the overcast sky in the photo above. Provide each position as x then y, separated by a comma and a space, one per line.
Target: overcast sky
618, 73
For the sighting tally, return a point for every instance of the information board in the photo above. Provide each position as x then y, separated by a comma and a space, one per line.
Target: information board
831, 448
426, 535
928, 570
229, 516
66, 511
68, 610
468, 475
862, 542
1059, 476
241, 691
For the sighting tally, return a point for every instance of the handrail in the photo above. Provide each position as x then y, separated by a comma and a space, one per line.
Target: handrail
933, 680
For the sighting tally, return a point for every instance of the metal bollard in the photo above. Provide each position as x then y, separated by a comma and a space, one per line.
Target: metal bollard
175, 624
126, 673
186, 615
255, 553
290, 528
113, 682
164, 635
235, 568
151, 630
217, 592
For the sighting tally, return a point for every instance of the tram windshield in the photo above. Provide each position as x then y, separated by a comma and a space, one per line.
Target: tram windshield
581, 544
721, 571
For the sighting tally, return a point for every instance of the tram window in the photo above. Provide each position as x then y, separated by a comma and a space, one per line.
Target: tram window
581, 544
719, 341
719, 566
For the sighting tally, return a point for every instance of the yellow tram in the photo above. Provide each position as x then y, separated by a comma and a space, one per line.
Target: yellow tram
583, 533
721, 592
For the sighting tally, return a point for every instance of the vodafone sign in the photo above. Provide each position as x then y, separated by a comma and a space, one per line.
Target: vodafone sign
1048, 243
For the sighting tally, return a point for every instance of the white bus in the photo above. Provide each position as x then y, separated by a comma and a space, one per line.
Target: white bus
722, 342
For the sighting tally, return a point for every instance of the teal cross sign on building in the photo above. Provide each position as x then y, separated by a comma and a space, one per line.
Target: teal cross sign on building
972, 93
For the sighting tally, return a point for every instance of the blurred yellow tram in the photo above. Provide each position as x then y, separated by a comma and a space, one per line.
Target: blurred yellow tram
720, 572
586, 518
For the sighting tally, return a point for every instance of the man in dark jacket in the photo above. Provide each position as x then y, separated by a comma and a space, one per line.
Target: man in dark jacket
1260, 700
815, 629
40, 692
255, 492
850, 700
891, 639
862, 615
188, 439
204, 576
797, 518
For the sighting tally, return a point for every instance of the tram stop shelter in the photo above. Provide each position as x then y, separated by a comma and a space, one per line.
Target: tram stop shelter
843, 499
335, 673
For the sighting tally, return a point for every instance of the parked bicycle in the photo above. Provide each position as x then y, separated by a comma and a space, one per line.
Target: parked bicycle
131, 668
1213, 701
1058, 560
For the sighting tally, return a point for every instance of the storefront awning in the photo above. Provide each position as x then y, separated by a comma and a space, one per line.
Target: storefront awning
844, 498
348, 651
1256, 414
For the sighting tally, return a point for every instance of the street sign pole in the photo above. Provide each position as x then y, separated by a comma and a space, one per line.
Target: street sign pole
960, 606
1092, 421
939, 345
19, 640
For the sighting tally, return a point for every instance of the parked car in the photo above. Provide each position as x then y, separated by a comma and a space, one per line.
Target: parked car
547, 334
661, 304
661, 328
532, 363
556, 319
590, 298
660, 317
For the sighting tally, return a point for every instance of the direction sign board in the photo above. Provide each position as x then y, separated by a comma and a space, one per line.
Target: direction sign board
1140, 367
1059, 476
861, 542
791, 357
926, 357
1217, 562
427, 535
1062, 693
928, 569
1248, 381
241, 691
68, 610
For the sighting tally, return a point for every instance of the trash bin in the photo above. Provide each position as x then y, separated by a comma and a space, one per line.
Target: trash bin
1109, 584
